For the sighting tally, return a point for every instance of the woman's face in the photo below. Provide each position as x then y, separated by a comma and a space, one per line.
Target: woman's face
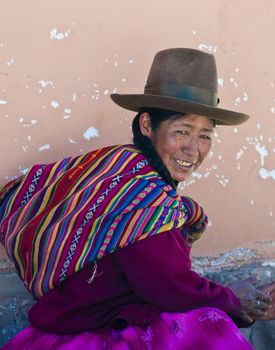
182, 142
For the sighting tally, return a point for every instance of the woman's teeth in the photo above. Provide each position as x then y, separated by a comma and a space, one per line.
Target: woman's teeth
184, 163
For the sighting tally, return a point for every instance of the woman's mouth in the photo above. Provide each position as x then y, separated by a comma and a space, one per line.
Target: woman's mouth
184, 163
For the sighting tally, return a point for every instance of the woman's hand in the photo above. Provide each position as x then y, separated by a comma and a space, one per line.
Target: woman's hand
255, 303
269, 290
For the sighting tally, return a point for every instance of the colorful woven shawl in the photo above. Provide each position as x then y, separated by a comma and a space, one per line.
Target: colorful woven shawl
64, 216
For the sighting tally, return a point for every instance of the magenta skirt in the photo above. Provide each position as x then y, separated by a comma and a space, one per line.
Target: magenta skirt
204, 328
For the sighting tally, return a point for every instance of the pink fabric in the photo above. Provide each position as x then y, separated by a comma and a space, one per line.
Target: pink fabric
204, 328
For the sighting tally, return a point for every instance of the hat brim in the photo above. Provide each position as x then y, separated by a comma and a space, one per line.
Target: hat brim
136, 102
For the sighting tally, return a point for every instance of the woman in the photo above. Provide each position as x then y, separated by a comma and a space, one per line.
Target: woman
102, 241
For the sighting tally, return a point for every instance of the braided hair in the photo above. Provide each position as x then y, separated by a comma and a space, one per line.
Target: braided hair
144, 143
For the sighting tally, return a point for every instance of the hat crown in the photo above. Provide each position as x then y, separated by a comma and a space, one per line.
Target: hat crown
183, 67
182, 80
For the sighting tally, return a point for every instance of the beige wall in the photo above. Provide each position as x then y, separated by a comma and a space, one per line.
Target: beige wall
61, 59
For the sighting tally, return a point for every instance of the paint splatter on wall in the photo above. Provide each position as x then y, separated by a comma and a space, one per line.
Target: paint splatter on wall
60, 64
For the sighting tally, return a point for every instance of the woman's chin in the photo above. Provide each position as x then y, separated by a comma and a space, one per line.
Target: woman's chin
181, 177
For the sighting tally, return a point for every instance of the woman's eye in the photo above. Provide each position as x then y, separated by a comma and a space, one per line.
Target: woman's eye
184, 132
205, 137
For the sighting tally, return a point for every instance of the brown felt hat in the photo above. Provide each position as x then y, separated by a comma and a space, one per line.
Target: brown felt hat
184, 81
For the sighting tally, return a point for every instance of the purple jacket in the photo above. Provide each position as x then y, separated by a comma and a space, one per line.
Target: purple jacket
132, 286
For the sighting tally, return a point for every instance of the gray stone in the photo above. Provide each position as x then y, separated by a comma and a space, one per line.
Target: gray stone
15, 302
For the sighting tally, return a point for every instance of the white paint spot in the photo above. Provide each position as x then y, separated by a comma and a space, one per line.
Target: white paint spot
197, 175
270, 213
237, 101
24, 123
3, 102
123, 80
265, 174
116, 64
210, 223
72, 141
262, 150
114, 90
131, 61
223, 181
54, 104
236, 130
232, 80
11, 61
237, 70
210, 154
106, 92
220, 82
24, 171
67, 110
45, 83
55, 35
44, 147
90, 133
252, 202
209, 48
272, 109
245, 96
74, 97
194, 32
239, 154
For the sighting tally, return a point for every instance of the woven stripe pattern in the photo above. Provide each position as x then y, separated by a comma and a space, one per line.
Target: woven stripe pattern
66, 215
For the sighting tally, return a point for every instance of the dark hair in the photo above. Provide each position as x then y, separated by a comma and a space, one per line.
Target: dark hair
144, 143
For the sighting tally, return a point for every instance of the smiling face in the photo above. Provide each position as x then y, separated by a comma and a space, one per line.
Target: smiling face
182, 142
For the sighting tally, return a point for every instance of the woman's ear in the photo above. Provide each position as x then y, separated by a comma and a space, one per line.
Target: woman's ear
145, 124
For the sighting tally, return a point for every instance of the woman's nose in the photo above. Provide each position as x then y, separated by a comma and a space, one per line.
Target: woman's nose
192, 147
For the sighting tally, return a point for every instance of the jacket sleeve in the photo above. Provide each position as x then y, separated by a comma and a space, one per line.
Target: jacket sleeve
158, 270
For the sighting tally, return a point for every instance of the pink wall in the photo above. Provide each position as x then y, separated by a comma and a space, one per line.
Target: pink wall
61, 59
